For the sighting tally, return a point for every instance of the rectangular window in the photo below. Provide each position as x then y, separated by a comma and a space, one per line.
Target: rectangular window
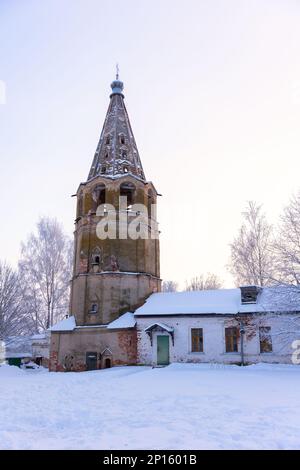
265, 339
197, 339
231, 339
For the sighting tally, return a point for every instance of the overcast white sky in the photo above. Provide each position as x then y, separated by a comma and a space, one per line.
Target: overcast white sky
213, 92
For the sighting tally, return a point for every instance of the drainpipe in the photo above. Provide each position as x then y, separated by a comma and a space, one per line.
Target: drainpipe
242, 332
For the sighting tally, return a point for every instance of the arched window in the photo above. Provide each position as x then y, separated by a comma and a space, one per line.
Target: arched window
122, 139
94, 309
103, 170
98, 196
96, 258
107, 140
128, 190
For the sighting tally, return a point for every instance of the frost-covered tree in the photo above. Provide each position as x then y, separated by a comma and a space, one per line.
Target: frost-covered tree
169, 286
204, 282
252, 256
287, 244
287, 255
45, 270
13, 317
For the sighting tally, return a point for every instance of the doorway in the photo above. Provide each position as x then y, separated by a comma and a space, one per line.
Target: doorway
107, 363
91, 361
162, 350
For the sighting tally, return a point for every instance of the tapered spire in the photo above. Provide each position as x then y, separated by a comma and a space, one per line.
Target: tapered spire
117, 153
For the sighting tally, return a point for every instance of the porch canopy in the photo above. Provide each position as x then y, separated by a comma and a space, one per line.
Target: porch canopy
159, 327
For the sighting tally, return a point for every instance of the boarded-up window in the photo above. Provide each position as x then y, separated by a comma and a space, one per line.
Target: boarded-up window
265, 339
197, 339
231, 339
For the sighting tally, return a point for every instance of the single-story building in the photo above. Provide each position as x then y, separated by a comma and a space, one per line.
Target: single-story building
244, 325
19, 349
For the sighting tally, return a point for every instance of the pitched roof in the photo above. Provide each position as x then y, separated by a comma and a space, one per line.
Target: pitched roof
220, 301
117, 152
68, 324
126, 320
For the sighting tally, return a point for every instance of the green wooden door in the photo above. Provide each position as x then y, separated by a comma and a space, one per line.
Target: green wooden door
162, 350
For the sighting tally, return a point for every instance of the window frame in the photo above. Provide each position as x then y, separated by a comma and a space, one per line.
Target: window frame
267, 341
234, 340
200, 340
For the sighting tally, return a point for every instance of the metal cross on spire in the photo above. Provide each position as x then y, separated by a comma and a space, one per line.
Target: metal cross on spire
117, 71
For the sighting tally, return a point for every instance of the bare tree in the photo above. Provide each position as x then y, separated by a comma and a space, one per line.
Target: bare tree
169, 286
287, 276
252, 258
45, 269
13, 319
204, 282
287, 244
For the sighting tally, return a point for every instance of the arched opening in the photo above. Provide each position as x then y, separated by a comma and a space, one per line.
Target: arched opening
122, 139
98, 196
107, 363
107, 140
127, 190
96, 260
80, 206
151, 200
94, 309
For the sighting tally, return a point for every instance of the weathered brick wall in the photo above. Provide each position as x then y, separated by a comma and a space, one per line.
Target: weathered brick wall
68, 350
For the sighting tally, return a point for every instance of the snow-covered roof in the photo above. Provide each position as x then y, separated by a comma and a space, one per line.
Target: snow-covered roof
39, 337
18, 346
220, 301
19, 355
126, 320
68, 324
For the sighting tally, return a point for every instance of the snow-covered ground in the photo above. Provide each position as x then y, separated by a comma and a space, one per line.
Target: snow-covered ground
183, 406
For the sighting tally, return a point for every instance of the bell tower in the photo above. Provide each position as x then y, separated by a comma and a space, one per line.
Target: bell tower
116, 262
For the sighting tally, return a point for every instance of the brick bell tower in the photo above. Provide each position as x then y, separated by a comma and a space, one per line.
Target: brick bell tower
114, 275
114, 271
